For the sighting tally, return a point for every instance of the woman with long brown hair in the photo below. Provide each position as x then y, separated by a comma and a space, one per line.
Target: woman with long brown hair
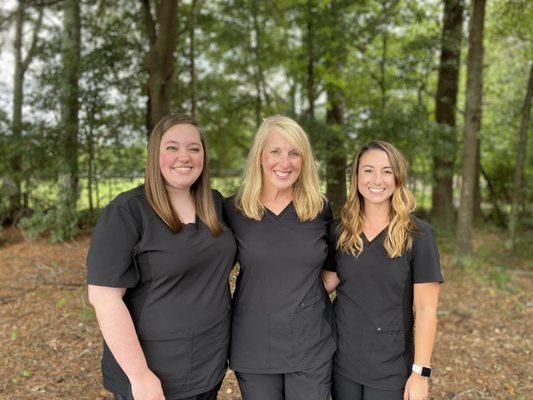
158, 268
387, 263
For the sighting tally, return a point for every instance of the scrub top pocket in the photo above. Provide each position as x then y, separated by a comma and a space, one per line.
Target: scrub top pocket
170, 359
388, 357
308, 328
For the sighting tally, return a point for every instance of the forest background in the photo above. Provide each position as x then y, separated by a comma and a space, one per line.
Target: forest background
448, 82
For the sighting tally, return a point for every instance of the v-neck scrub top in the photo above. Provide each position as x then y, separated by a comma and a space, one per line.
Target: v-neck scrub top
374, 308
177, 293
282, 316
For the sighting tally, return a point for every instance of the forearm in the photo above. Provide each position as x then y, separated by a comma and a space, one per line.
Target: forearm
330, 280
425, 330
119, 333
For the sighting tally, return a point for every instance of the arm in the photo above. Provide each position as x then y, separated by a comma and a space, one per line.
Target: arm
119, 333
426, 297
330, 280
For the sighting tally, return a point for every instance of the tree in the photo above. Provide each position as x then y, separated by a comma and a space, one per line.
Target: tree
66, 218
444, 148
160, 58
473, 106
21, 66
521, 153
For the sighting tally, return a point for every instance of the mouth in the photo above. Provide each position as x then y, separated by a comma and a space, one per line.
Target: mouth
376, 190
182, 170
282, 174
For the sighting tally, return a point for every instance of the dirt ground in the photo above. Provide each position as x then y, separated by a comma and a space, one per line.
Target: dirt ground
50, 345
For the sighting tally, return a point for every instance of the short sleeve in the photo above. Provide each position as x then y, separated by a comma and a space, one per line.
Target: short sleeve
330, 264
110, 261
425, 257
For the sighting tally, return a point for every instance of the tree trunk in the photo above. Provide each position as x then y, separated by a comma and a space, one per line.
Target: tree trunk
445, 146
192, 67
478, 214
21, 65
336, 153
68, 166
311, 59
521, 152
474, 87
160, 58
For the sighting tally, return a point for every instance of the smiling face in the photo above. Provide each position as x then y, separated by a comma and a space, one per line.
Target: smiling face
181, 156
375, 178
281, 162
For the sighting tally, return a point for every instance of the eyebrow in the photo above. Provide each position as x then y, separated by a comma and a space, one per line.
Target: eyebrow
371, 166
174, 141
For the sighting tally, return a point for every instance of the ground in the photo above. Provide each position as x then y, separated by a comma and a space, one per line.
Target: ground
50, 345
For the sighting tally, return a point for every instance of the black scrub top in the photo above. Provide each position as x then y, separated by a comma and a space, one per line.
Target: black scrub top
374, 308
282, 317
177, 292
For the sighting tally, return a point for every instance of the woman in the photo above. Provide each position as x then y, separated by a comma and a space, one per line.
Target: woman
386, 263
158, 268
281, 343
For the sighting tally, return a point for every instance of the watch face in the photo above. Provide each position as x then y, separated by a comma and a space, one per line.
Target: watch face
426, 371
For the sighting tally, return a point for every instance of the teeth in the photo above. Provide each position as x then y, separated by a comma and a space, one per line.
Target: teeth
376, 190
282, 173
183, 169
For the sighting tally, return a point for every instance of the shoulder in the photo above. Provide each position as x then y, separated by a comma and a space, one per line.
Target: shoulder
131, 203
422, 228
129, 197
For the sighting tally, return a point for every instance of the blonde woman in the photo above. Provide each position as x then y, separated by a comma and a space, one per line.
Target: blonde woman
386, 264
158, 268
281, 343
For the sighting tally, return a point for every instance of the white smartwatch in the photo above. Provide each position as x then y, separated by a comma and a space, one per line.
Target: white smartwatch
420, 370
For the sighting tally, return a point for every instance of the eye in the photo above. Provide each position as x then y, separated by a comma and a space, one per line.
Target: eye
171, 148
367, 171
195, 149
294, 154
388, 172
275, 151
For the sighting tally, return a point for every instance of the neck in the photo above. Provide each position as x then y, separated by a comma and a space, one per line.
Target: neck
178, 195
377, 213
271, 194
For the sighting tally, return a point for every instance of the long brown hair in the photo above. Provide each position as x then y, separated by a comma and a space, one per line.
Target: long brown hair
399, 238
156, 192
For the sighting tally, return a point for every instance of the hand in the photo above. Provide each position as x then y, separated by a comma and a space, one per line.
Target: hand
147, 387
416, 388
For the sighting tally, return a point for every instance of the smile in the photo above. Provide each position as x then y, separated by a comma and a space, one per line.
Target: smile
376, 190
182, 170
282, 174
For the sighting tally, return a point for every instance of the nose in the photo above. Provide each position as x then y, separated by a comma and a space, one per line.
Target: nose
378, 178
284, 161
183, 155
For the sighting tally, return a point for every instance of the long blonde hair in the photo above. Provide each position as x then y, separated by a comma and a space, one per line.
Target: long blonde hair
156, 192
399, 233
307, 199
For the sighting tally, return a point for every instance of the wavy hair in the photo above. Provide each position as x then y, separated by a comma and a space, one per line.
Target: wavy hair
399, 232
307, 199
155, 189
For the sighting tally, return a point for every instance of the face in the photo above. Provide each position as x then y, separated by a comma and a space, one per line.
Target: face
281, 162
375, 177
181, 156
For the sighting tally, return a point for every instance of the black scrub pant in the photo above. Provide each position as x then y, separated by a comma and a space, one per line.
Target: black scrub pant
309, 384
343, 388
210, 395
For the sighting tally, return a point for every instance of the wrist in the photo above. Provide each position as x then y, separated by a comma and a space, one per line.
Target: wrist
421, 370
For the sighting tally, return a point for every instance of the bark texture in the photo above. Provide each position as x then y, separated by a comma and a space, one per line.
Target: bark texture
159, 61
521, 153
442, 210
474, 88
